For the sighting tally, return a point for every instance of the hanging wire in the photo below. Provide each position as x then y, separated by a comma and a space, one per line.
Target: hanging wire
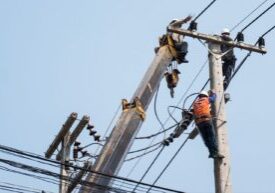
156, 112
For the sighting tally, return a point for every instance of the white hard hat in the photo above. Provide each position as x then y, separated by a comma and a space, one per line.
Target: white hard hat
205, 93
225, 31
174, 20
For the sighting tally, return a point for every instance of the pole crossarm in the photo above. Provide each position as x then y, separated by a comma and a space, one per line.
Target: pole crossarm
82, 123
58, 139
216, 39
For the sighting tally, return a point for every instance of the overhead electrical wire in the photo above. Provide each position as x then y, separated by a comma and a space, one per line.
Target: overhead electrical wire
249, 54
148, 169
240, 22
207, 7
145, 153
168, 164
9, 149
265, 11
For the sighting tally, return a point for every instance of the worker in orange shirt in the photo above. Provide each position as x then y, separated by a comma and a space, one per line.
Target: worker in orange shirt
203, 120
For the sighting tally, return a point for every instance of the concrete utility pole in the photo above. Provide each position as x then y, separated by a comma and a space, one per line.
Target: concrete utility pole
66, 139
222, 166
123, 135
63, 186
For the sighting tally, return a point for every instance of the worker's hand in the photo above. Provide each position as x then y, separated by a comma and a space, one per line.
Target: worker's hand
211, 92
188, 18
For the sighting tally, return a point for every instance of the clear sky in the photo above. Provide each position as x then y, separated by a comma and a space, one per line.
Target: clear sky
58, 57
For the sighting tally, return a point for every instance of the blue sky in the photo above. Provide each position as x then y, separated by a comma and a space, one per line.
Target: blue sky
58, 57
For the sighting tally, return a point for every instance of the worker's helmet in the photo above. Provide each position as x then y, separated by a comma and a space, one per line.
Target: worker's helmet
174, 21
203, 93
225, 31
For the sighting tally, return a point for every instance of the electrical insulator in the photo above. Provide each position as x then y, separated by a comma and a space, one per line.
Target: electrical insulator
165, 142
97, 138
90, 127
240, 37
92, 132
170, 139
226, 97
67, 165
261, 42
84, 153
76, 143
193, 26
75, 152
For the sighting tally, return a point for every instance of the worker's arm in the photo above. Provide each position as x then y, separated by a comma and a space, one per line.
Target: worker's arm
181, 21
212, 96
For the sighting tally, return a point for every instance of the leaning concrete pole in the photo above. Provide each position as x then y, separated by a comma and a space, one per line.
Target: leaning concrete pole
222, 166
122, 137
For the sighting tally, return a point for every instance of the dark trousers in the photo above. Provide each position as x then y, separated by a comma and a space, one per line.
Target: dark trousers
182, 50
208, 135
227, 69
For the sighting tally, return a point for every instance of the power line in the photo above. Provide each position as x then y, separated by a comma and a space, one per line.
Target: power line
26, 187
266, 10
207, 7
156, 112
148, 169
145, 153
168, 164
249, 54
9, 149
261, 4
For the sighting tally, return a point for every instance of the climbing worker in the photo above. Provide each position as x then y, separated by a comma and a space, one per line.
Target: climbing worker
203, 120
180, 45
228, 59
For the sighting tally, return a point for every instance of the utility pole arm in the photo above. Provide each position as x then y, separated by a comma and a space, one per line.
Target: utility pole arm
217, 40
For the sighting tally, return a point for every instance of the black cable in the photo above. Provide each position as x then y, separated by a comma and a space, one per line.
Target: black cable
258, 17
56, 175
211, 3
135, 151
145, 153
168, 164
155, 110
268, 31
249, 54
75, 167
18, 189
155, 134
148, 169
168, 110
248, 15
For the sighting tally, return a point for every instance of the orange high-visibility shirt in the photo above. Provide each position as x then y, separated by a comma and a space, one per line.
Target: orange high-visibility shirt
202, 107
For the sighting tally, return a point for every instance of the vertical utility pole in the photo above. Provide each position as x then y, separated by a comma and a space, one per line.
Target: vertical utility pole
66, 139
123, 135
63, 186
221, 166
